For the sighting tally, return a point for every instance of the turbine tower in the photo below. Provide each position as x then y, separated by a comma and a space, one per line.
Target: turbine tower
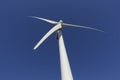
66, 73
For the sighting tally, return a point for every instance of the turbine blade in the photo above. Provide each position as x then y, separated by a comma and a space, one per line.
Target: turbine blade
65, 24
46, 20
56, 27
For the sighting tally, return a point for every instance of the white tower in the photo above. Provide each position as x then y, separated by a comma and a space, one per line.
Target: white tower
66, 73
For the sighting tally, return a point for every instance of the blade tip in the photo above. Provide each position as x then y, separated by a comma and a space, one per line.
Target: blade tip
31, 16
34, 48
101, 31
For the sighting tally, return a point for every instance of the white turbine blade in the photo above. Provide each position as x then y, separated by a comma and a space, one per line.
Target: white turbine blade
65, 24
58, 26
46, 20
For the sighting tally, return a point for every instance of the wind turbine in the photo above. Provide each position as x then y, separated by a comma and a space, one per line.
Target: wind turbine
66, 73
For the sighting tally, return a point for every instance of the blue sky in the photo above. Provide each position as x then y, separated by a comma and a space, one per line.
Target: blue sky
93, 55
